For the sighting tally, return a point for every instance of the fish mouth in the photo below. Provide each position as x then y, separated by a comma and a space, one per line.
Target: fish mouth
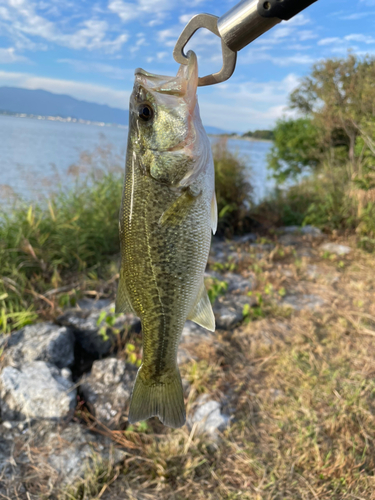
184, 84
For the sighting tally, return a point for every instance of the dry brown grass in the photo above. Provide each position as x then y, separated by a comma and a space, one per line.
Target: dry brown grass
300, 387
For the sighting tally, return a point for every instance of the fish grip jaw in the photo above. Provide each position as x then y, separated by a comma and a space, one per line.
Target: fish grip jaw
209, 22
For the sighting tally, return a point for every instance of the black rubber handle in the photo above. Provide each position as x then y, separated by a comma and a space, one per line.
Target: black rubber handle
283, 9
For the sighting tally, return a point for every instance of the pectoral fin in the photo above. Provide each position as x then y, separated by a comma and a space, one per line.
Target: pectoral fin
176, 212
213, 213
122, 300
202, 313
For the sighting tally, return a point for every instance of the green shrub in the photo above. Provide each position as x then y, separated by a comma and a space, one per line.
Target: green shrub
286, 207
233, 191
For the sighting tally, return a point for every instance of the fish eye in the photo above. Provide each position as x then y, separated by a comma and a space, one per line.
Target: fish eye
145, 112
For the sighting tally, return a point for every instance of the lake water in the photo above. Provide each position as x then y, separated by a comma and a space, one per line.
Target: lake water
37, 155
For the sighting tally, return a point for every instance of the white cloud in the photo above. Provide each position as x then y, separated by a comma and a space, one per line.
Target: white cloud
329, 41
299, 20
105, 69
138, 44
306, 35
141, 10
167, 34
255, 55
356, 15
79, 90
9, 56
125, 11
248, 105
360, 38
162, 55
20, 20
185, 18
286, 30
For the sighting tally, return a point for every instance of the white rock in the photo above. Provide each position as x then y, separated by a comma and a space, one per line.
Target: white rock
336, 248
209, 418
107, 389
40, 342
35, 391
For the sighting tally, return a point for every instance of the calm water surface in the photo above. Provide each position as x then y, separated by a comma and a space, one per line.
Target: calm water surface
37, 155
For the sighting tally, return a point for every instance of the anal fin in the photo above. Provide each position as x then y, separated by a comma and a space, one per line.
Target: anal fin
202, 312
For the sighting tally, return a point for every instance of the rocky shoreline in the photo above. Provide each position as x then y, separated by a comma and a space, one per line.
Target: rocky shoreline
57, 377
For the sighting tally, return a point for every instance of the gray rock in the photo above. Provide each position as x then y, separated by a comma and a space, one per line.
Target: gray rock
312, 231
86, 330
336, 248
289, 239
245, 238
36, 391
301, 302
305, 230
74, 449
213, 275
224, 252
193, 333
238, 284
7, 464
107, 388
228, 310
91, 304
208, 417
262, 247
40, 342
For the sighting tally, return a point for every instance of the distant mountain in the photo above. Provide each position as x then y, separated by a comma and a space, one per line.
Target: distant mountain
41, 102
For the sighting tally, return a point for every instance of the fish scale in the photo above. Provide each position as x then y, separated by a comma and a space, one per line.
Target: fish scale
165, 233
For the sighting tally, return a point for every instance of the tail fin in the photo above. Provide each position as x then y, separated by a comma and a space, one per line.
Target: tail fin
163, 400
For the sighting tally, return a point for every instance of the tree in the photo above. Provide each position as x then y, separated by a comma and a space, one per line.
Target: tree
296, 147
339, 95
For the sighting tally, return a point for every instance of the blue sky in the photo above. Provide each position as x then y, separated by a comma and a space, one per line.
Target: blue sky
89, 49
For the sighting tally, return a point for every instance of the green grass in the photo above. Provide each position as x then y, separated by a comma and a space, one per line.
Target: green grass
52, 252
51, 245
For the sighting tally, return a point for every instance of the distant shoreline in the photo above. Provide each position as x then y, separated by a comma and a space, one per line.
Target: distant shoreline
70, 119
67, 119
236, 137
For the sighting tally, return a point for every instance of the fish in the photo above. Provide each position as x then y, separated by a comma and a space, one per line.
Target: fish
167, 215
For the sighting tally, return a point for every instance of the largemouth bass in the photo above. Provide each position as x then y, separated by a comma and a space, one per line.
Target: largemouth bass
167, 214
